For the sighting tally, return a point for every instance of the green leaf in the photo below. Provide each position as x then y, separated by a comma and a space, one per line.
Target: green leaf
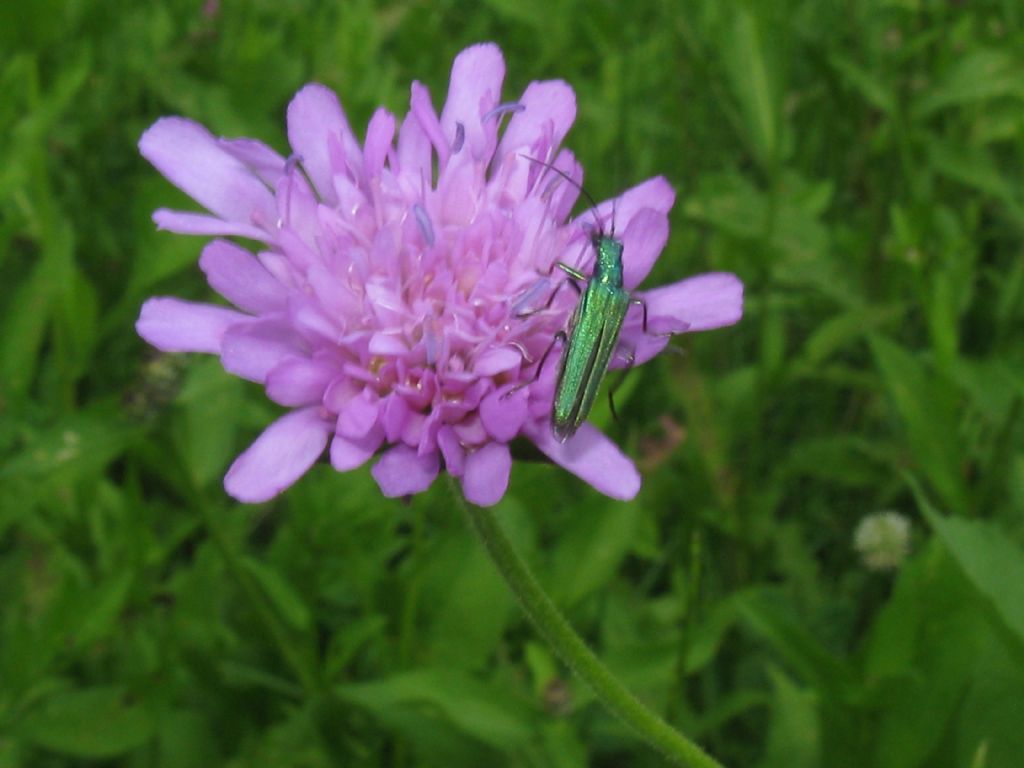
282, 595
976, 167
921, 655
210, 401
78, 446
990, 559
989, 730
100, 609
873, 90
794, 740
482, 711
747, 63
89, 723
187, 739
979, 76
928, 407
591, 549
23, 329
766, 613
467, 619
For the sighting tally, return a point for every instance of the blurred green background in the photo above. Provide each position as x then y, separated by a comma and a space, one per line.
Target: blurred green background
858, 164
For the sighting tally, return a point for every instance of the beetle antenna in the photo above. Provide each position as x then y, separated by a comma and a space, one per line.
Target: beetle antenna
580, 187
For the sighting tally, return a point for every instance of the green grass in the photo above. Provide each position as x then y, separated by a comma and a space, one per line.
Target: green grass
858, 164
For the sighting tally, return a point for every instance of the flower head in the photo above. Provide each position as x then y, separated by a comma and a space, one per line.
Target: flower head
883, 540
397, 296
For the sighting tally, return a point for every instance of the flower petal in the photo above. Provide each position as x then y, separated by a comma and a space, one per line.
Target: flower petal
550, 109
642, 243
702, 302
654, 193
698, 303
359, 415
315, 119
502, 414
496, 360
279, 457
592, 457
174, 325
191, 159
401, 472
267, 164
421, 108
350, 453
185, 223
238, 276
414, 157
379, 135
474, 88
299, 381
452, 451
486, 474
252, 350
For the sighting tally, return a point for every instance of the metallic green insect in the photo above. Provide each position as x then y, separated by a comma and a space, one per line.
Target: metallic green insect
592, 336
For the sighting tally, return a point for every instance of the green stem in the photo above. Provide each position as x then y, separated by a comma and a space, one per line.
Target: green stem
568, 645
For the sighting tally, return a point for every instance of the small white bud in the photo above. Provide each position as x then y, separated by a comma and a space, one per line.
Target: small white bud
883, 540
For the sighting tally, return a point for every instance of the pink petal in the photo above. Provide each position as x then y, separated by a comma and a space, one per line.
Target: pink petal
387, 344
592, 457
637, 347
414, 156
315, 119
550, 109
471, 432
359, 415
452, 451
191, 159
395, 415
475, 87
267, 164
279, 457
379, 135
698, 303
486, 474
174, 325
503, 416
401, 472
564, 198
184, 223
239, 277
298, 208
496, 360
654, 193
422, 109
252, 350
642, 243
297, 381
350, 453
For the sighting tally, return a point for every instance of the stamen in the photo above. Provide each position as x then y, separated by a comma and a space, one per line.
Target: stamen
424, 221
289, 166
503, 109
522, 351
531, 293
460, 138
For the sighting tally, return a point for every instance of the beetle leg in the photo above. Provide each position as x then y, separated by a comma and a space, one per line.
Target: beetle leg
630, 357
551, 299
559, 337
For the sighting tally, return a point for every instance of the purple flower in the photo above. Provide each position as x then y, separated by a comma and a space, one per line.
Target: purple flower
397, 293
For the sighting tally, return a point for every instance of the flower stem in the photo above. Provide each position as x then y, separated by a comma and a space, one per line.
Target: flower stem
574, 652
